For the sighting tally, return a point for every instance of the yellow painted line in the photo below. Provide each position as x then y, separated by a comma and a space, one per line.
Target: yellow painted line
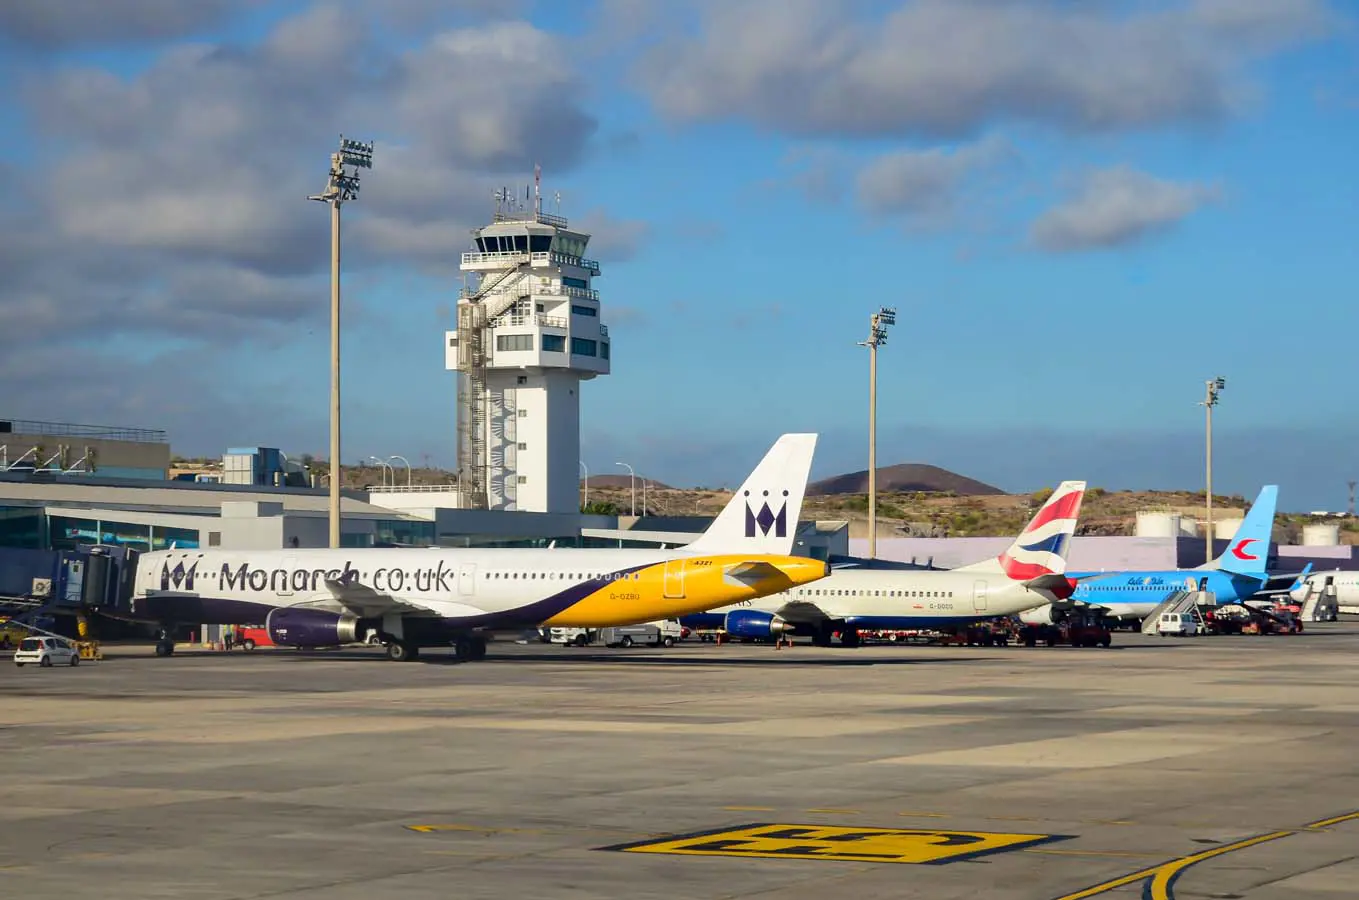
478, 829
1118, 853
1165, 876
1334, 820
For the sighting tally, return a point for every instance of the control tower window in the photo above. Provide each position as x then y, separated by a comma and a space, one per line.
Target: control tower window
521, 243
540, 243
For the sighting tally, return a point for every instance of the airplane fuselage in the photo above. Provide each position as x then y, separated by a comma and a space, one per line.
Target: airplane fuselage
882, 599
467, 587
1136, 594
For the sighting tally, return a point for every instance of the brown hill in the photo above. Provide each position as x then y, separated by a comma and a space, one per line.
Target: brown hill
903, 477
623, 481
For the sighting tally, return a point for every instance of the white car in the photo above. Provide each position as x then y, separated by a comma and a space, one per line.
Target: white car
46, 651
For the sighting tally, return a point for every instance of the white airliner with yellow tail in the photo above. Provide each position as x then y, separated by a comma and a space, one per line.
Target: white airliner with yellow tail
424, 597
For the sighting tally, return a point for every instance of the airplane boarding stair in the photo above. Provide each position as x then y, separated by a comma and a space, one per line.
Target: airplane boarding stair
1320, 606
1179, 602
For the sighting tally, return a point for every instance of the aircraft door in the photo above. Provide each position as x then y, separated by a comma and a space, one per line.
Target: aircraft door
674, 578
467, 579
979, 596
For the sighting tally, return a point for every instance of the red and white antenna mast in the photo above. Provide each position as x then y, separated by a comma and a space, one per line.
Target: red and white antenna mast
537, 182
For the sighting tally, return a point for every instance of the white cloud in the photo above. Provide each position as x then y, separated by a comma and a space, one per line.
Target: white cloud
170, 204
1117, 206
925, 182
947, 67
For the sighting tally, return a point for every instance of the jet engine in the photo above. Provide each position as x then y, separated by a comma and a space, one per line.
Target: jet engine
748, 623
1041, 615
310, 628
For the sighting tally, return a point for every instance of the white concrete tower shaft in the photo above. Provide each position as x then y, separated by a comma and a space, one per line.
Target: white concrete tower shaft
529, 332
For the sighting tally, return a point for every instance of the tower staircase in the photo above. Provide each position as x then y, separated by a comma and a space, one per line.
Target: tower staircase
475, 313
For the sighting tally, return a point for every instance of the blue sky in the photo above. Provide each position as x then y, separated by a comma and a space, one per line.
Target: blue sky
1079, 216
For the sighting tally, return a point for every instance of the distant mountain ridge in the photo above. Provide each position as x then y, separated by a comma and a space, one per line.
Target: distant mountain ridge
903, 477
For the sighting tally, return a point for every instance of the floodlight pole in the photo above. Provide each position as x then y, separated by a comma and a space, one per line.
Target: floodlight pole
877, 336
1214, 387
343, 185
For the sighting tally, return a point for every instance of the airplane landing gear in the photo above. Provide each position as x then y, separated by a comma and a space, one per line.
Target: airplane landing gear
165, 643
469, 648
400, 651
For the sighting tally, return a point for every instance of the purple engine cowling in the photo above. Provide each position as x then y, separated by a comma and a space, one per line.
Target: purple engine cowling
749, 623
310, 628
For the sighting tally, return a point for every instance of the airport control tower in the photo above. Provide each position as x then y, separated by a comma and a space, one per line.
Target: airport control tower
529, 332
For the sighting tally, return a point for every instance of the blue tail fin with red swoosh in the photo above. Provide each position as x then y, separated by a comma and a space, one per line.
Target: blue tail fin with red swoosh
1247, 552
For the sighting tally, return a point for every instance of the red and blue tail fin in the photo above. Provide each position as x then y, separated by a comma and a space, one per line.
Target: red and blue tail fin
1041, 547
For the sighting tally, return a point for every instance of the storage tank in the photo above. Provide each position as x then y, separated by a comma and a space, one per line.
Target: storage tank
1152, 523
1190, 527
1226, 529
1320, 534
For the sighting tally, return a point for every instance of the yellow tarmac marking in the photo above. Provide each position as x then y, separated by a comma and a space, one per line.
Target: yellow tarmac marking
843, 844
1161, 879
1165, 876
1336, 820
479, 829
1118, 853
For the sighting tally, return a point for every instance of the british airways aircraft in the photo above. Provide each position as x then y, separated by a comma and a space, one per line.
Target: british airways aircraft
1029, 571
1235, 576
424, 597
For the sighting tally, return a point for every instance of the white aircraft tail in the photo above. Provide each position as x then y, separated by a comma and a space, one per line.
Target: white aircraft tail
762, 515
1037, 557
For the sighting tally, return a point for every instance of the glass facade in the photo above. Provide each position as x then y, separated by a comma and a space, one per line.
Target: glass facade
554, 343
22, 527
182, 538
402, 531
68, 533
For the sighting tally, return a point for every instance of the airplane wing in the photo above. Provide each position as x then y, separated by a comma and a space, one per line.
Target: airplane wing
802, 611
366, 603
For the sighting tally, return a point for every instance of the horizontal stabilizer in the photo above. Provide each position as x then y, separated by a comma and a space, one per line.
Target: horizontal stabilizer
1057, 586
750, 573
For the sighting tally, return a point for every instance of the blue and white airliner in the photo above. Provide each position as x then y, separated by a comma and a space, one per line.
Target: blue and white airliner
1234, 577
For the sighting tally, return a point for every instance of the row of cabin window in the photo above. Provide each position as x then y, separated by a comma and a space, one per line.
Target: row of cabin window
610, 576
553, 343
824, 592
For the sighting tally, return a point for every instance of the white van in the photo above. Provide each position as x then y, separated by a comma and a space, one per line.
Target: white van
1179, 624
46, 651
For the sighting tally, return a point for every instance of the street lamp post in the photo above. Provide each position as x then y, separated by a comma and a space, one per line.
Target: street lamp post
1214, 387
343, 185
385, 467
586, 470
877, 336
632, 480
408, 469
